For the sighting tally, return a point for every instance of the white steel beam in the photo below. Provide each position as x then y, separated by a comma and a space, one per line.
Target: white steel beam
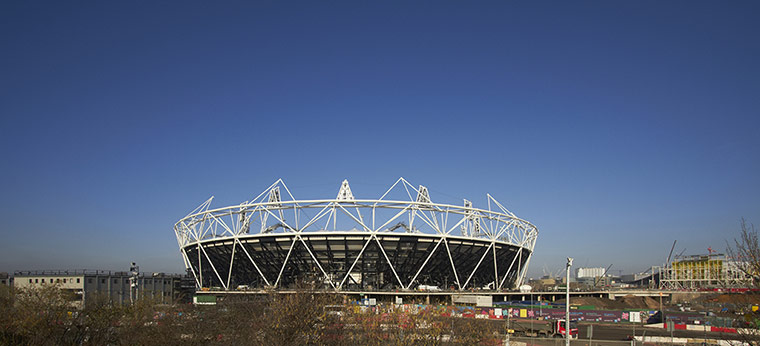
232, 261
451, 260
195, 276
509, 270
327, 277
285, 263
477, 266
401, 284
348, 273
213, 268
423, 264
253, 262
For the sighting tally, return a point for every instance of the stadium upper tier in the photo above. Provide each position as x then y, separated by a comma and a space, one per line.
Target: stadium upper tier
401, 241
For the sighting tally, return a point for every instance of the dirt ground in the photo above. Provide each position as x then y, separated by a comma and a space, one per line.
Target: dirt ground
695, 301
627, 302
736, 298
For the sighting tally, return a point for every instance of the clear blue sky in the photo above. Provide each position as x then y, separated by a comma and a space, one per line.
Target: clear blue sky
615, 127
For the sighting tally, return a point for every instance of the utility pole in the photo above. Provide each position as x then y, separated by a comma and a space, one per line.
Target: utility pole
634, 333
532, 315
567, 301
662, 313
509, 314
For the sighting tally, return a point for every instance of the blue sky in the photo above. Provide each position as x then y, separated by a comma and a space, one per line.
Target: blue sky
615, 127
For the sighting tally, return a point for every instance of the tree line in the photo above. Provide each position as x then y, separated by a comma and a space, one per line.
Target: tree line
45, 316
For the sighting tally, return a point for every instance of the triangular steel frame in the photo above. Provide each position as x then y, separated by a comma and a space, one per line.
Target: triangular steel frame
279, 214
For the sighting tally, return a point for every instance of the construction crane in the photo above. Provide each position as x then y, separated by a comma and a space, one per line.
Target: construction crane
671, 252
679, 254
596, 282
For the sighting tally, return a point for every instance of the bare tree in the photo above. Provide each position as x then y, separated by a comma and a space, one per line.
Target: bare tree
746, 252
45, 316
8, 329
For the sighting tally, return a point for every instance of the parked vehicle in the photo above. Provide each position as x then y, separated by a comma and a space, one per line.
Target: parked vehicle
542, 328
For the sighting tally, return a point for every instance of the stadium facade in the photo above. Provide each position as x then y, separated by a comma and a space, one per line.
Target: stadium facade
400, 241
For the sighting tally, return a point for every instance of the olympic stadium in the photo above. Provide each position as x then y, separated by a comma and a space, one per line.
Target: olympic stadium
400, 241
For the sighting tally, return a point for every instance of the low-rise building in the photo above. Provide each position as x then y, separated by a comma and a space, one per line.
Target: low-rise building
5, 279
89, 285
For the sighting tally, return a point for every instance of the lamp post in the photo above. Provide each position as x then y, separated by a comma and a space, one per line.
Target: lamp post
567, 301
532, 314
540, 313
133, 282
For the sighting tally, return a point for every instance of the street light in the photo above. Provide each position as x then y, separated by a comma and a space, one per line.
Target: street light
133, 282
567, 301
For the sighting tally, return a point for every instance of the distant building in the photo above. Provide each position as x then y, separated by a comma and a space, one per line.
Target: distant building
589, 272
587, 281
88, 285
5, 279
633, 278
543, 283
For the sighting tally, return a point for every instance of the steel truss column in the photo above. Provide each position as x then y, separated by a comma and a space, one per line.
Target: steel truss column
232, 261
451, 261
285, 263
524, 271
477, 266
348, 273
424, 263
495, 268
190, 265
213, 267
510, 268
252, 261
400, 284
327, 277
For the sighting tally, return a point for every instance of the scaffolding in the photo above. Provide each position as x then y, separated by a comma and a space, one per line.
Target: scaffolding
702, 272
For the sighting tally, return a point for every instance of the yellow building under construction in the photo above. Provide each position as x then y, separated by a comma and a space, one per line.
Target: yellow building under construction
703, 271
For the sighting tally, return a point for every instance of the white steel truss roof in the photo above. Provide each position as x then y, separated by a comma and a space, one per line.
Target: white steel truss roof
413, 213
